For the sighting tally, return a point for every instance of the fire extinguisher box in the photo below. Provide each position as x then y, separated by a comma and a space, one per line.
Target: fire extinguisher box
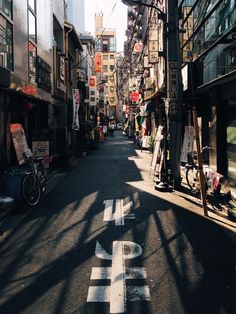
13, 183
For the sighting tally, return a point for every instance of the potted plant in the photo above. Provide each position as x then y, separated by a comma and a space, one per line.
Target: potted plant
150, 144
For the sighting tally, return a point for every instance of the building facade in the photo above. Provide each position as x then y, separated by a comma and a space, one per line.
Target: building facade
76, 14
105, 51
37, 73
208, 56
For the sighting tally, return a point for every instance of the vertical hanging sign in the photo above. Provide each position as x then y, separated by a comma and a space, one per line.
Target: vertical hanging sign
153, 42
92, 91
76, 104
98, 62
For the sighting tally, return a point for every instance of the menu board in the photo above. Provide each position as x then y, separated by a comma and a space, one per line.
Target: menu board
19, 141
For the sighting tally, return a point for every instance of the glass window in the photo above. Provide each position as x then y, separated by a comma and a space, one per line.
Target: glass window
105, 68
6, 7
105, 57
111, 56
112, 99
32, 27
221, 19
32, 4
32, 63
112, 67
6, 55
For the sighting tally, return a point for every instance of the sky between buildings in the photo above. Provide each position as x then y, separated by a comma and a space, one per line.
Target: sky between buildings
116, 18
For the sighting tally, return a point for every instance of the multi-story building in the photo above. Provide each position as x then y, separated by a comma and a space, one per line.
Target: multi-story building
105, 49
76, 14
209, 57
35, 67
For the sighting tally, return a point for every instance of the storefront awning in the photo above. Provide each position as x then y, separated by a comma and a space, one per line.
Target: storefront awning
23, 96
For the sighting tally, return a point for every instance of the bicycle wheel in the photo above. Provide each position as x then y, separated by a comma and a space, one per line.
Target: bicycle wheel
31, 189
193, 179
42, 177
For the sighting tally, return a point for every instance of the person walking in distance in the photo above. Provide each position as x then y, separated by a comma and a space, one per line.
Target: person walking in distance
112, 129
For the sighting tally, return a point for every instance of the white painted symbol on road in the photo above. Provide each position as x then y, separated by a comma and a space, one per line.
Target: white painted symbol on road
118, 292
116, 211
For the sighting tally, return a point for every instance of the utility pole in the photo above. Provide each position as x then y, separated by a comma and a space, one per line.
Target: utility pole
174, 90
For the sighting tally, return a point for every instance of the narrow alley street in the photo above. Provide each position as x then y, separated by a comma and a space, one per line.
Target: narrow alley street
103, 240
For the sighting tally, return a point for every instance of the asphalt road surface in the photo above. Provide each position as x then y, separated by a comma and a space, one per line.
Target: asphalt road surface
104, 241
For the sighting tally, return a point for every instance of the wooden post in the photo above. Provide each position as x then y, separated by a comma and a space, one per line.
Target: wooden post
200, 166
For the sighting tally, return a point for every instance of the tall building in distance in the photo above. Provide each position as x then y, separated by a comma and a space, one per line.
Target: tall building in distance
76, 13
105, 48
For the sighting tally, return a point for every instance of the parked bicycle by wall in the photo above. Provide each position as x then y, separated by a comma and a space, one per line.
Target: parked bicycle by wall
34, 181
192, 173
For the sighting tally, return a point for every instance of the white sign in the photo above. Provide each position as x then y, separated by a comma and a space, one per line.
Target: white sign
118, 292
115, 211
188, 143
76, 104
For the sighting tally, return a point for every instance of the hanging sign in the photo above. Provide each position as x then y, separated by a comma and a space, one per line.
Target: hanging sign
76, 105
92, 91
98, 62
134, 96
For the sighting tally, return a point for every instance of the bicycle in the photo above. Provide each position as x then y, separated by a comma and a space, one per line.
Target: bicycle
193, 176
34, 182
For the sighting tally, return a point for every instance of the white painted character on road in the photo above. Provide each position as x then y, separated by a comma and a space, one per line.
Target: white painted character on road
118, 292
116, 211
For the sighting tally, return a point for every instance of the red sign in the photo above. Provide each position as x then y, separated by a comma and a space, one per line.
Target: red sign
134, 96
92, 81
98, 62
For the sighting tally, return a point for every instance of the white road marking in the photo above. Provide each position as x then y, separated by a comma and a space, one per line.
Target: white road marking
99, 273
102, 294
108, 212
101, 253
118, 213
118, 292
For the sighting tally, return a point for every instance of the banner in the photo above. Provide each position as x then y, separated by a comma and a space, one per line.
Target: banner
76, 104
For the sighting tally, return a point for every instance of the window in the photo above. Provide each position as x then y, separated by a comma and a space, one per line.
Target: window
32, 27
112, 67
111, 56
32, 4
32, 63
105, 57
112, 99
44, 75
6, 7
105, 68
6, 55
112, 89
32, 48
